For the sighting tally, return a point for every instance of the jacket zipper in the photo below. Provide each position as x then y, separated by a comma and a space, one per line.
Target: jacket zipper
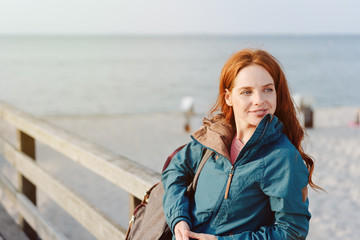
229, 182
232, 167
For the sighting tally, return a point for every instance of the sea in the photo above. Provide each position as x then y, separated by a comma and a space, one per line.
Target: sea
114, 75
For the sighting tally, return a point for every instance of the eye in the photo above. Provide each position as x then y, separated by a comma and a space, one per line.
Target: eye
269, 90
246, 92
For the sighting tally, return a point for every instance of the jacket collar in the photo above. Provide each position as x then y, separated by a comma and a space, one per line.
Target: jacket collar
217, 133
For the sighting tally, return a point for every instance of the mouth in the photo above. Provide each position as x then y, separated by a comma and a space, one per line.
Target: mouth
259, 112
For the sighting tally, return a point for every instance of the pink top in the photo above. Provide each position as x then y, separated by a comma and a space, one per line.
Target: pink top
236, 147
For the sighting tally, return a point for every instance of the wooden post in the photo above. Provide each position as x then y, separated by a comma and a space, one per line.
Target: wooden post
26, 144
133, 202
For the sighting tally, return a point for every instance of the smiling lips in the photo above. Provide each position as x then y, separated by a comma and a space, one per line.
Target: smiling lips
260, 112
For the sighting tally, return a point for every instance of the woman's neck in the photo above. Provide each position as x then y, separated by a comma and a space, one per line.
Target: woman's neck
245, 134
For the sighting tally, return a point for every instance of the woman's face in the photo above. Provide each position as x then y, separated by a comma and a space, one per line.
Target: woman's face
252, 97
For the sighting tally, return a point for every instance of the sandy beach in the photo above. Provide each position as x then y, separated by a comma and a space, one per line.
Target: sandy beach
149, 139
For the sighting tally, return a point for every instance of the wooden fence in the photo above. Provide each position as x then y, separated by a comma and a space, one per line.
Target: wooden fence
126, 174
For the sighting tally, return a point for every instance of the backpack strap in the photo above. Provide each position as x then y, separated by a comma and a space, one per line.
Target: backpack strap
206, 155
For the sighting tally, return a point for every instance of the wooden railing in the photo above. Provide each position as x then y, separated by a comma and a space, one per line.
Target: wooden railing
126, 174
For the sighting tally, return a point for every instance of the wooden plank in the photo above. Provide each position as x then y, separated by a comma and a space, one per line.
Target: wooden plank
27, 209
8, 228
8, 190
26, 144
127, 174
92, 219
4, 145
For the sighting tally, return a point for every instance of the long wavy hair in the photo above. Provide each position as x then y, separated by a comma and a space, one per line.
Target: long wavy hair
285, 109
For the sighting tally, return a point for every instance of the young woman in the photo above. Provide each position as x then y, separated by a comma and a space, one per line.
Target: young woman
254, 186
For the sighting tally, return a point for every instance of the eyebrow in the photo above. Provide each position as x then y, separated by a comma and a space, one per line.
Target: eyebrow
266, 85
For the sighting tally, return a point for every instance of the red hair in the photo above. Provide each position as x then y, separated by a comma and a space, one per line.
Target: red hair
285, 109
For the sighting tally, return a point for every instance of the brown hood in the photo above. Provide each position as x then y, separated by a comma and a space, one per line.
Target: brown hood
217, 134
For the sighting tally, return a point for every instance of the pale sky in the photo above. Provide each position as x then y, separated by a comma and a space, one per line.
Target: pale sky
179, 17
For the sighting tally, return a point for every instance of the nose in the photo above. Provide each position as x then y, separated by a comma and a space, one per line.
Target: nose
258, 98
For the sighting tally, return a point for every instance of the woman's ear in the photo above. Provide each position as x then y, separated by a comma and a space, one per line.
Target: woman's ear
228, 97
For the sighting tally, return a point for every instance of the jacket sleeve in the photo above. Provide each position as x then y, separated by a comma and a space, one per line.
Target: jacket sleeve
177, 176
285, 180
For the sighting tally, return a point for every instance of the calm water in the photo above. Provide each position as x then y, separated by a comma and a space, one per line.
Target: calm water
117, 75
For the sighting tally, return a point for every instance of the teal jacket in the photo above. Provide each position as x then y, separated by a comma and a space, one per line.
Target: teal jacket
262, 196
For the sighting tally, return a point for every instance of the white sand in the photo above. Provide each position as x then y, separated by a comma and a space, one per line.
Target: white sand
336, 148
149, 139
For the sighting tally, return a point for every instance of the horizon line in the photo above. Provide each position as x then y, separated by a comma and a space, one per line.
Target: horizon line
171, 34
